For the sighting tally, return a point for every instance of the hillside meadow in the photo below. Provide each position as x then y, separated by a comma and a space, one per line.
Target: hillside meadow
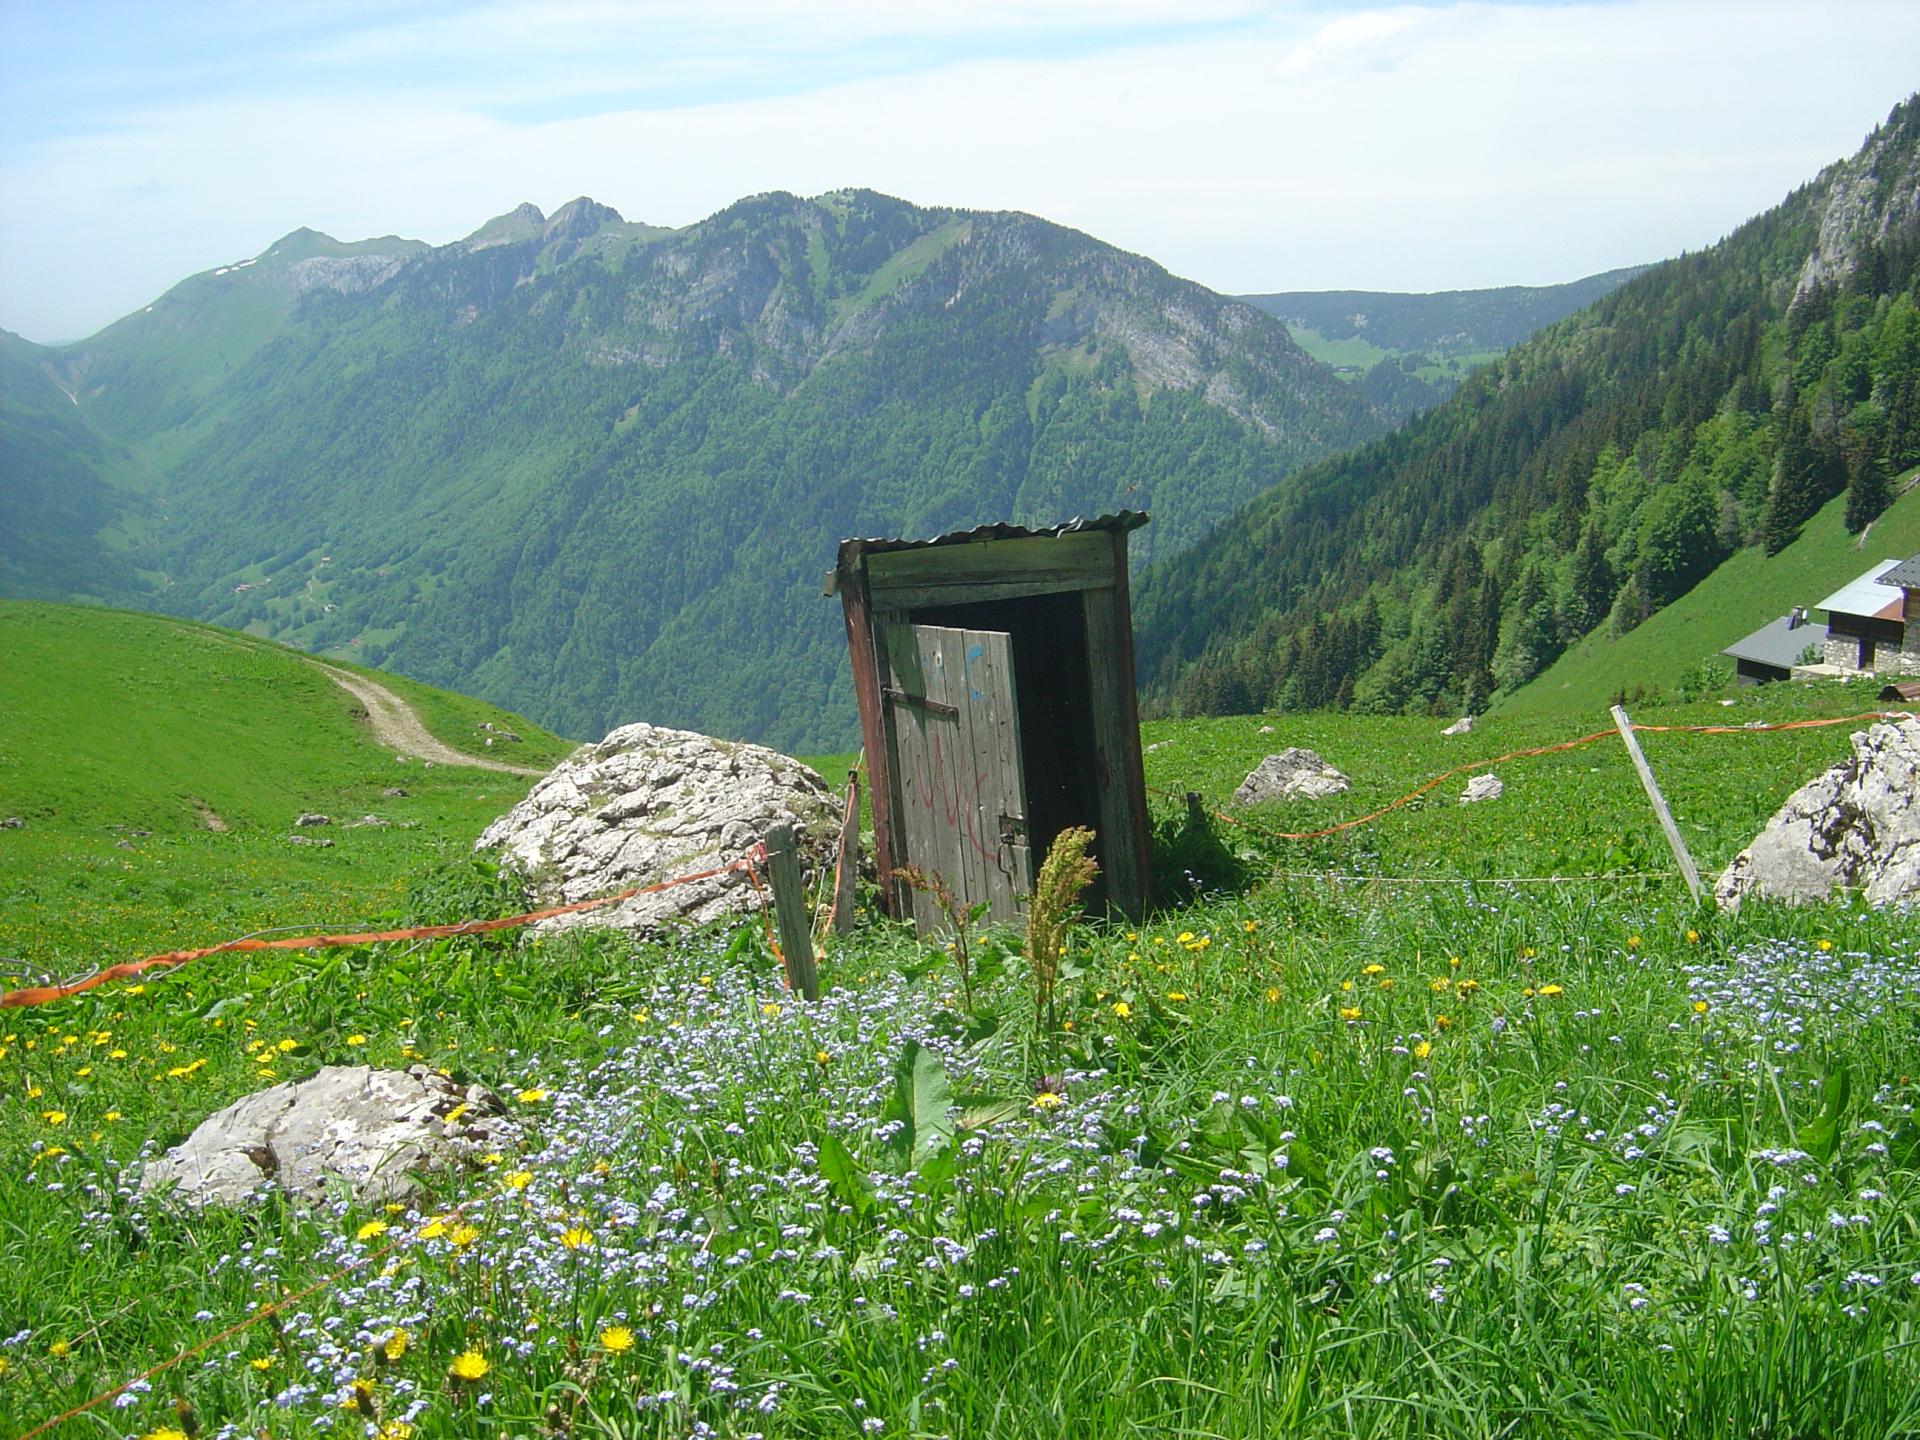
1296, 1156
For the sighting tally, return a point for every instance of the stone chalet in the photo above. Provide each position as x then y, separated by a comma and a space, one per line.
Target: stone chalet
1772, 651
1873, 623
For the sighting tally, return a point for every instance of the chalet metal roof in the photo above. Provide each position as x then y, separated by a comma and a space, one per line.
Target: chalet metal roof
1123, 520
1906, 574
1779, 643
1869, 595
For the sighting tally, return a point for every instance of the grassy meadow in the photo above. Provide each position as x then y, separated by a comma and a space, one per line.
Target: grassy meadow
1299, 1155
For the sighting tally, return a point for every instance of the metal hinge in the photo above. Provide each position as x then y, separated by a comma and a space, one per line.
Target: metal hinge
919, 702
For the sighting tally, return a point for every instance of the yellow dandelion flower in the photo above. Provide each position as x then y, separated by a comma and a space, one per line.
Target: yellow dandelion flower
288, 1046
518, 1180
576, 1237
1375, 969
1386, 983
165, 1432
356, 1039
1633, 942
1699, 1007
1176, 995
1047, 1101
469, 1365
1422, 1049
1122, 1009
461, 1236
1349, 1012
822, 1058
261, 1363
60, 1349
1441, 1022
1825, 946
370, 1229
1693, 937
394, 1346
1250, 926
616, 1339
770, 1007
1273, 994
1551, 990
531, 1096
111, 1116
397, 1429
54, 1117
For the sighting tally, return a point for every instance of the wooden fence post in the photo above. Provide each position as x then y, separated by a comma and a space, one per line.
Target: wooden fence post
790, 912
1196, 811
1679, 846
846, 872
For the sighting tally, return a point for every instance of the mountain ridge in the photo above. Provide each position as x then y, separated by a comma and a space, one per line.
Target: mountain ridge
436, 457
1583, 480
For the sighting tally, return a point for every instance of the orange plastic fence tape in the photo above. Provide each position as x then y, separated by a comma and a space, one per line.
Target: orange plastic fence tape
42, 994
253, 1317
1597, 735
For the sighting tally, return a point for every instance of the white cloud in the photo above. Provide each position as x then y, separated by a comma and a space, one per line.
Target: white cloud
1395, 148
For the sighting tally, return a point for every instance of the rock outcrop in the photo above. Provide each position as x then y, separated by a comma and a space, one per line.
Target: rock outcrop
1856, 826
647, 804
1462, 726
348, 1127
1292, 773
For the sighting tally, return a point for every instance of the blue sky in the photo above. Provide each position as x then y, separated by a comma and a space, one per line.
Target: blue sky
1248, 145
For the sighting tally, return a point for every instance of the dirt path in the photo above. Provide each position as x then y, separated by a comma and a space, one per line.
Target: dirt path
397, 727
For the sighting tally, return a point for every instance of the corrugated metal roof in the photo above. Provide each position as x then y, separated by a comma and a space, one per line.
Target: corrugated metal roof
1906, 574
1869, 595
1777, 643
999, 530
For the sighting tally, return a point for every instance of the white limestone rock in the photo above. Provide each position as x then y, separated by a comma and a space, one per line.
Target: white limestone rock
1482, 787
1462, 726
1293, 773
648, 803
1856, 826
347, 1128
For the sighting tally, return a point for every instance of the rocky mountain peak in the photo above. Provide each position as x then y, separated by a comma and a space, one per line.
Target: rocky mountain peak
1871, 197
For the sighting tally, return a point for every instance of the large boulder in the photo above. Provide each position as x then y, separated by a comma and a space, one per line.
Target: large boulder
347, 1128
649, 804
1855, 827
1293, 772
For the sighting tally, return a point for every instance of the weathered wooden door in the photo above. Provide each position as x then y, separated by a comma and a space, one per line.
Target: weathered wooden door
954, 728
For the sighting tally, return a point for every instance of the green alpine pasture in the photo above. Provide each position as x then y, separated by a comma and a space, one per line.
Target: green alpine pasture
158, 767
1296, 1155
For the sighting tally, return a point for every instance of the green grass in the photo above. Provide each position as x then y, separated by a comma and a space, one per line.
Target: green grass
129, 735
1739, 597
1303, 1158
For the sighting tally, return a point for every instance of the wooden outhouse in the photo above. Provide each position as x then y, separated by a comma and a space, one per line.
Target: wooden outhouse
994, 674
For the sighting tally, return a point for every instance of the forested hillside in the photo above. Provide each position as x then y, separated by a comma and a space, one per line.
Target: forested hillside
1586, 479
595, 470
1407, 353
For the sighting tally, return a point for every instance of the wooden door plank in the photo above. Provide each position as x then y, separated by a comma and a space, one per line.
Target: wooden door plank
1121, 854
